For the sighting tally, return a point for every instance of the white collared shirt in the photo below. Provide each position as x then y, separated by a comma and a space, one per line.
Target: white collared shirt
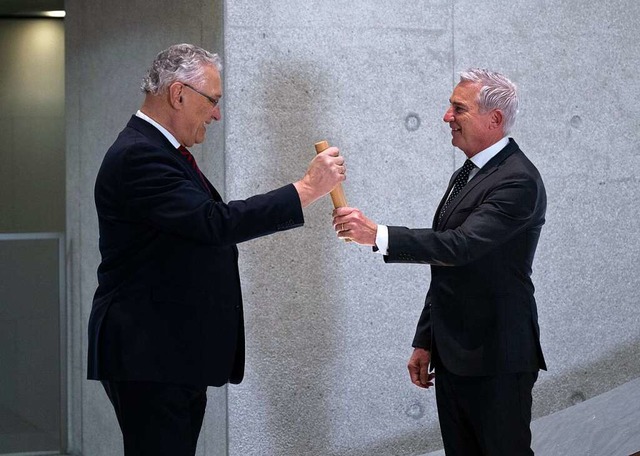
480, 159
162, 130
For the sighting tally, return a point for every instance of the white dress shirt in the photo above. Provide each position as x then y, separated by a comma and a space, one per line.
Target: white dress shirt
163, 130
480, 159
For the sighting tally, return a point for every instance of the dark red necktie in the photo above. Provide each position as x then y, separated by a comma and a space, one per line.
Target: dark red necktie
192, 161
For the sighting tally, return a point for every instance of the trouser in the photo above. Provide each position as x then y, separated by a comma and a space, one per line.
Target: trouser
158, 419
486, 415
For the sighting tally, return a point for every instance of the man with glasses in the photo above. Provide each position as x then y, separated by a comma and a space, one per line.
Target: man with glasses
167, 317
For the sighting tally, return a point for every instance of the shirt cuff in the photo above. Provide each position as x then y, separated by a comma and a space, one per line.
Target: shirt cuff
382, 239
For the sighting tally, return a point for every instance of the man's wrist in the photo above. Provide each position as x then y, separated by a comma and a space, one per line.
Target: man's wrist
305, 193
382, 240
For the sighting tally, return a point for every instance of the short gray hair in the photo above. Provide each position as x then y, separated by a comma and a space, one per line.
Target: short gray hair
496, 92
180, 62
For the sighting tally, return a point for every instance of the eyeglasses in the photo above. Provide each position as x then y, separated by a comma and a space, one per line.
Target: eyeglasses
213, 101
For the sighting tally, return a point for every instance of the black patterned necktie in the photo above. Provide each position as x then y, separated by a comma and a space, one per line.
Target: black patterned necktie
192, 161
458, 185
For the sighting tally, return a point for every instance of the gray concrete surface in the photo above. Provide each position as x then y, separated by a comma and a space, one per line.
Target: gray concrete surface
329, 325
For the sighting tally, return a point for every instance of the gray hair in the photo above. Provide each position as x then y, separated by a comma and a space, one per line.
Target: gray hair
180, 62
497, 92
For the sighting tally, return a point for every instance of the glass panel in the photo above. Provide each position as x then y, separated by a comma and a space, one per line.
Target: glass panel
30, 362
32, 128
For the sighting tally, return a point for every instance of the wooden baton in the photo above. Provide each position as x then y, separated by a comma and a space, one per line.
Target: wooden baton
337, 194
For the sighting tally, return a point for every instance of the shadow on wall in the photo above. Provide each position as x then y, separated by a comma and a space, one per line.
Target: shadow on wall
299, 350
305, 350
306, 383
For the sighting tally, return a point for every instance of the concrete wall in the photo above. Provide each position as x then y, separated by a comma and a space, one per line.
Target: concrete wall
329, 326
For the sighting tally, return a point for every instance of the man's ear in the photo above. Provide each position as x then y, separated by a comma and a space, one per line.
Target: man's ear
175, 95
496, 119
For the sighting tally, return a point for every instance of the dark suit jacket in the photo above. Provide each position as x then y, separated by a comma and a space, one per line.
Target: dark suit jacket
168, 307
480, 315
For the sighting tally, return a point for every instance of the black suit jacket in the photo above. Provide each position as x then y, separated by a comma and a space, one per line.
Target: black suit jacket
480, 315
168, 306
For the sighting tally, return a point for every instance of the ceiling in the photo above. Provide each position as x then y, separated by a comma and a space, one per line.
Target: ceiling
27, 7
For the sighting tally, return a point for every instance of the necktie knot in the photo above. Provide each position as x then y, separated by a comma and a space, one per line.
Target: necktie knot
467, 167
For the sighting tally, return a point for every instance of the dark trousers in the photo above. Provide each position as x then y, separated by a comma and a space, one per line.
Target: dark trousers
485, 416
158, 419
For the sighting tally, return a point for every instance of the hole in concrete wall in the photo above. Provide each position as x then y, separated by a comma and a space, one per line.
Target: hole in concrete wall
415, 411
576, 121
577, 397
412, 121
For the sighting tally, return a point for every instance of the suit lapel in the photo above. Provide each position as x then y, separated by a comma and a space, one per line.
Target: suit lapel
214, 192
161, 140
488, 169
195, 177
444, 198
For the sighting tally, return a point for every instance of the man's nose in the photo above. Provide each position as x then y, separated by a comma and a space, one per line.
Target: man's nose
448, 116
217, 113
